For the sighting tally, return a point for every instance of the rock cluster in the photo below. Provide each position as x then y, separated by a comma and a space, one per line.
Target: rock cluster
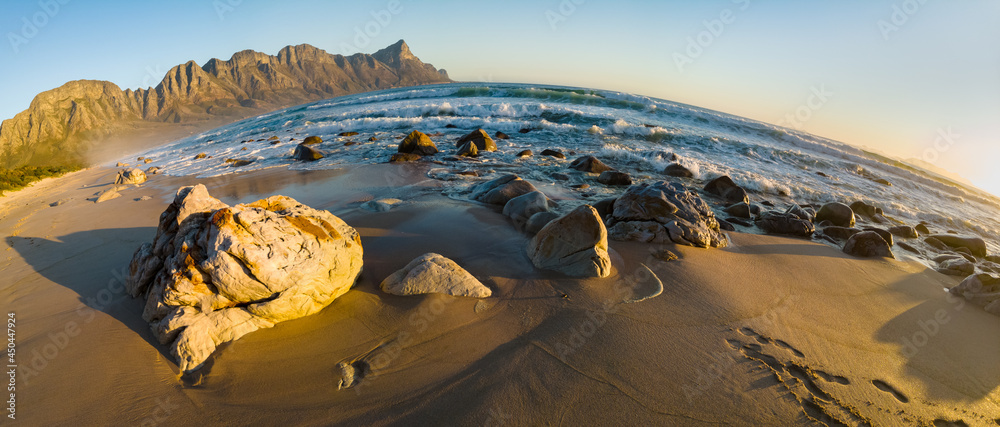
663, 211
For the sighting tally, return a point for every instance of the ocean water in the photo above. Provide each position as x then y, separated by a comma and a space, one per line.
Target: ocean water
632, 133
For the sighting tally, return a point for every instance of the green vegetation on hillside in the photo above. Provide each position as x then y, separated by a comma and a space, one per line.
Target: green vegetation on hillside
18, 178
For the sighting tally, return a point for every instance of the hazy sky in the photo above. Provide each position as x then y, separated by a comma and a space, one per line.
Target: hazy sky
896, 76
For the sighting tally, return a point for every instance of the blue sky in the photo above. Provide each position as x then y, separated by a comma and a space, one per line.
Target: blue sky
890, 75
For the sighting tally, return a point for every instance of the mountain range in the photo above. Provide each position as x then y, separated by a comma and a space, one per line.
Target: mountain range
61, 124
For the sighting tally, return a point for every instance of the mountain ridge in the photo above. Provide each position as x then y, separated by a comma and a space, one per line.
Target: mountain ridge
60, 123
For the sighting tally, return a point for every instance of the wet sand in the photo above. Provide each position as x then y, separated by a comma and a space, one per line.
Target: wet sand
770, 331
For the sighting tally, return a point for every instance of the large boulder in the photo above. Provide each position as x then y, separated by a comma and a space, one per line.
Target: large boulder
838, 213
575, 244
868, 244
431, 273
499, 191
739, 210
480, 138
686, 218
523, 207
982, 290
589, 164
419, 143
975, 245
725, 188
777, 222
130, 176
216, 272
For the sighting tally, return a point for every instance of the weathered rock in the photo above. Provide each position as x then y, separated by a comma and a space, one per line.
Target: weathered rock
499, 191
553, 153
501, 135
974, 244
480, 138
725, 225
575, 244
468, 149
678, 170
887, 236
431, 273
840, 233
956, 267
310, 140
521, 208
725, 188
837, 213
922, 228
982, 290
868, 244
614, 178
215, 273
777, 222
739, 210
525, 153
417, 143
130, 176
686, 217
307, 153
539, 221
904, 231
589, 164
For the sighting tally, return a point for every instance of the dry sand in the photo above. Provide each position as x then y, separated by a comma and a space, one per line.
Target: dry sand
771, 331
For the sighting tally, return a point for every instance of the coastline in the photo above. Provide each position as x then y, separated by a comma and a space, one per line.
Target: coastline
772, 330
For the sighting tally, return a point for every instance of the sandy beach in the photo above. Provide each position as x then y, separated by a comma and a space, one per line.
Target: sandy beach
769, 331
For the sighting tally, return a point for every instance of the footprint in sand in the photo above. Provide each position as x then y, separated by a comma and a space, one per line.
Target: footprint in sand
883, 386
789, 347
830, 378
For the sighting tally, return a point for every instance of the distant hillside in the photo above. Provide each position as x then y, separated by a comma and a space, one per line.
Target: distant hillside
58, 123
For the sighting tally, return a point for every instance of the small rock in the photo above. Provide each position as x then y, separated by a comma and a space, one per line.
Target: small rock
143, 199
417, 143
538, 221
310, 140
273, 138
677, 170
347, 134
956, 267
468, 149
130, 176
974, 244
739, 210
785, 223
610, 177
837, 213
523, 207
306, 153
867, 244
862, 208
840, 233
589, 164
238, 162
904, 231
559, 176
982, 290
525, 153
480, 138
381, 205
887, 236
604, 207
431, 273
725, 188
404, 157
922, 228
200, 156
935, 243
909, 248
501, 135
524, 130
725, 225
499, 191
664, 255
109, 194
553, 153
